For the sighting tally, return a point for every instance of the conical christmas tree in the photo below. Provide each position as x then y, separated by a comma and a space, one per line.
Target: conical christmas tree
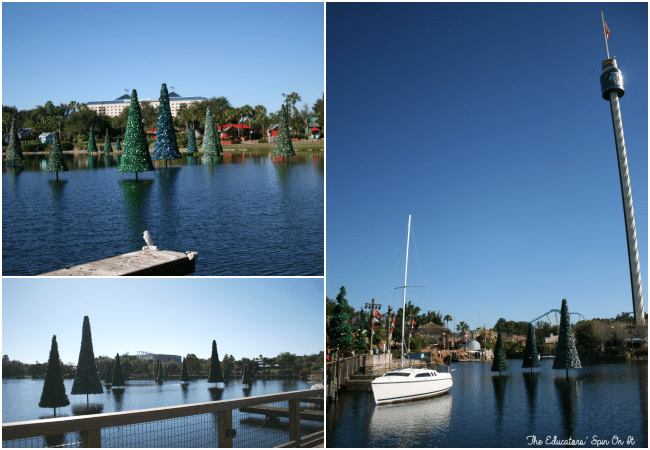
566, 354
118, 147
109, 374
86, 380
184, 375
499, 364
531, 357
135, 153
283, 145
56, 163
165, 146
107, 143
211, 142
191, 142
161, 372
156, 369
53, 395
92, 146
215, 375
14, 152
118, 375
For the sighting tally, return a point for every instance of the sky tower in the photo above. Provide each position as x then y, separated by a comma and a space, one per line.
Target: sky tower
611, 84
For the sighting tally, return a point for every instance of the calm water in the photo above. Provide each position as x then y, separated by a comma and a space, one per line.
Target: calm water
20, 402
245, 216
483, 410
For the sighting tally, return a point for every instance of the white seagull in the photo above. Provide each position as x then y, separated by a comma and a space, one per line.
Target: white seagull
147, 239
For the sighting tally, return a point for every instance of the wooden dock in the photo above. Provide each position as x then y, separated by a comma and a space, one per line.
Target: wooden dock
144, 262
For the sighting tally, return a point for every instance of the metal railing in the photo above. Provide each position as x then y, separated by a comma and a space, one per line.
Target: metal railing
261, 421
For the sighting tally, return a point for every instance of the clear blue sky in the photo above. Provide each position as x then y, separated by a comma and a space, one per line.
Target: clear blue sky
487, 124
246, 316
250, 53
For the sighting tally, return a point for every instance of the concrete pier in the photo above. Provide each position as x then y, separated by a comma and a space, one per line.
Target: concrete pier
144, 262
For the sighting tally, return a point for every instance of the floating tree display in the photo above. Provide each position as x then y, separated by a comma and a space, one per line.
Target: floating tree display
118, 375
109, 375
107, 143
53, 395
499, 364
86, 379
92, 145
56, 163
165, 146
215, 375
566, 354
211, 143
14, 152
184, 374
283, 146
531, 357
118, 147
191, 142
135, 153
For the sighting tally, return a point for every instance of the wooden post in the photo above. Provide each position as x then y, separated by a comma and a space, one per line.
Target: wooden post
91, 438
225, 424
294, 419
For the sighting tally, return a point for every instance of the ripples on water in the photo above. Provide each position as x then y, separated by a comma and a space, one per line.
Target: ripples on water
484, 410
245, 216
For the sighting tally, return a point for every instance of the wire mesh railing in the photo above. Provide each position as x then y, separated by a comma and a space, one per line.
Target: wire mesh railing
295, 418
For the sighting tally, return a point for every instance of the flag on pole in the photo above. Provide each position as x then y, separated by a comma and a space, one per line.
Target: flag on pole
606, 32
378, 314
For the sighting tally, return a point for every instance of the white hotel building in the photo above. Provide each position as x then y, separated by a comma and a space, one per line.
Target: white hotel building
113, 108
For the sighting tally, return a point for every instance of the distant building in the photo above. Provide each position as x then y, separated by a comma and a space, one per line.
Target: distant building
153, 357
115, 107
46, 137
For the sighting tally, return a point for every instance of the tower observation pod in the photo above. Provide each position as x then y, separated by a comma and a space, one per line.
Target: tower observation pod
611, 84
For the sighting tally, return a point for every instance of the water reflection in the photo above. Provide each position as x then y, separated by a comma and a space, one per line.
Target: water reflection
108, 160
191, 161
567, 392
166, 180
135, 194
118, 395
216, 393
531, 381
500, 383
93, 162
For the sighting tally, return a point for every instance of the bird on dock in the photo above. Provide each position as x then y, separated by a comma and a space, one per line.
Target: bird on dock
147, 239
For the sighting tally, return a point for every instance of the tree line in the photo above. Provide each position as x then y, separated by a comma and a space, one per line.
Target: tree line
73, 120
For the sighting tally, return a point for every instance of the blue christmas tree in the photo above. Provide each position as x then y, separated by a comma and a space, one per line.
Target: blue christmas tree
165, 146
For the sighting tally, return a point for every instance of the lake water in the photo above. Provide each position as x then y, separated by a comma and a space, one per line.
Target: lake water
20, 402
598, 402
245, 216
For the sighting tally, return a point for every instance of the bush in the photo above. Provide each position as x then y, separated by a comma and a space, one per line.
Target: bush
181, 140
33, 146
67, 145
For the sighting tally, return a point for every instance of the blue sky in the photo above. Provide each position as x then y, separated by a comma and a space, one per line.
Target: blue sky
250, 53
487, 124
247, 317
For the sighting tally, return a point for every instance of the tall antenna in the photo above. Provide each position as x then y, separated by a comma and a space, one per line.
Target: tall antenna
605, 32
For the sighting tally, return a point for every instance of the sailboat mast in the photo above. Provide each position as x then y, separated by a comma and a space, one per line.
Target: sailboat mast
408, 237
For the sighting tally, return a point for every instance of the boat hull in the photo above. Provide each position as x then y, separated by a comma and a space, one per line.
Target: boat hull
394, 389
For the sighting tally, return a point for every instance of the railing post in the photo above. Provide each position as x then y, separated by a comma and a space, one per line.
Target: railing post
91, 438
224, 419
294, 419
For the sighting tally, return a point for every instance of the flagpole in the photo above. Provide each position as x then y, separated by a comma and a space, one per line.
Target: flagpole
604, 32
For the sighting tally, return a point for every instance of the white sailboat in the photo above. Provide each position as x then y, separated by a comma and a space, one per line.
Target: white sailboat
409, 383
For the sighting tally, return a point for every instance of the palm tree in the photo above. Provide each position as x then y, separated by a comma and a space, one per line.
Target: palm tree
260, 116
293, 98
247, 112
462, 327
447, 319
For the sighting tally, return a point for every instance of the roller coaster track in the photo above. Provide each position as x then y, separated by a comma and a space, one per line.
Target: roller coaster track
556, 311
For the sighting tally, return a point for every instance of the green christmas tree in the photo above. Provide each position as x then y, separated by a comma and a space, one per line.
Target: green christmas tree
531, 357
14, 152
339, 331
191, 142
499, 364
211, 142
118, 147
566, 354
161, 372
118, 375
165, 146
109, 374
184, 375
361, 343
135, 153
215, 375
86, 379
107, 143
156, 369
56, 163
53, 395
283, 145
92, 146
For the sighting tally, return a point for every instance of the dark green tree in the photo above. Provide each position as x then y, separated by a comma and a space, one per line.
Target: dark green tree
92, 145
499, 364
156, 369
215, 375
165, 146
56, 163
86, 379
118, 375
211, 142
184, 375
109, 374
53, 395
339, 331
531, 357
14, 152
283, 145
135, 153
118, 147
566, 354
107, 143
191, 142
361, 343
161, 372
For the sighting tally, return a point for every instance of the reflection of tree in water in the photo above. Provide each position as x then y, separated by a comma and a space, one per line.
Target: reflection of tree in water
135, 194
118, 394
500, 383
84, 410
185, 387
531, 380
108, 160
191, 160
216, 393
14, 170
53, 440
567, 392
166, 179
93, 161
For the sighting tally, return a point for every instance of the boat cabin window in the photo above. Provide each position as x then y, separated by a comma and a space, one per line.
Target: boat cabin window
420, 375
397, 374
